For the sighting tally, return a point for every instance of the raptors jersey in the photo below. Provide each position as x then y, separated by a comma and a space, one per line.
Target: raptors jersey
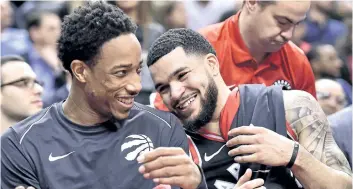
248, 104
210, 152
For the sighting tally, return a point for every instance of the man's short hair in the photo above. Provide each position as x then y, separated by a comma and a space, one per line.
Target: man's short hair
313, 53
35, 18
84, 32
191, 42
10, 58
262, 3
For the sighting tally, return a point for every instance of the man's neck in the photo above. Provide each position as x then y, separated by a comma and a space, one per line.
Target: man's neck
6, 122
78, 111
249, 40
223, 94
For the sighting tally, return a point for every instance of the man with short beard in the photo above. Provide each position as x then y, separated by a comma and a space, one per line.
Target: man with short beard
220, 122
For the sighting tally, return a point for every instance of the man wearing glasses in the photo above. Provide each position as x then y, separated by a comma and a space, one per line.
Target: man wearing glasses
330, 96
20, 91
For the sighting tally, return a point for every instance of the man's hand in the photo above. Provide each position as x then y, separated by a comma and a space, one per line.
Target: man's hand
260, 145
245, 183
170, 166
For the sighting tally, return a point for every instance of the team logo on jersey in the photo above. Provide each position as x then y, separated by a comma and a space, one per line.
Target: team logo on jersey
285, 84
135, 145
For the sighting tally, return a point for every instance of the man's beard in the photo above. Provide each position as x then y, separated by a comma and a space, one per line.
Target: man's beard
208, 107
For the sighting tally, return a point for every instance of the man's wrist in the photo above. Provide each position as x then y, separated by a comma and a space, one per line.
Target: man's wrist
202, 184
294, 155
299, 162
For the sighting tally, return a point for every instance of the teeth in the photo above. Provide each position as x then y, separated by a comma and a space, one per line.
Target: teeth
126, 100
187, 103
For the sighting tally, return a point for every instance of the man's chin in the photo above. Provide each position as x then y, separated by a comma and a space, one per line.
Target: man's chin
121, 115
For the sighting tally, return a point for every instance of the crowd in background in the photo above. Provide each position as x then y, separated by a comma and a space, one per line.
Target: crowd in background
30, 29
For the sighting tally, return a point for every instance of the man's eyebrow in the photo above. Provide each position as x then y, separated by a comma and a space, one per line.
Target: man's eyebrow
289, 20
171, 75
122, 66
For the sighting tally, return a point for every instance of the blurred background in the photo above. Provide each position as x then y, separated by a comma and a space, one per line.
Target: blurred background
30, 29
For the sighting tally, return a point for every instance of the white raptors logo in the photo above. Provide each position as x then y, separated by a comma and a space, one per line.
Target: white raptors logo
135, 144
285, 84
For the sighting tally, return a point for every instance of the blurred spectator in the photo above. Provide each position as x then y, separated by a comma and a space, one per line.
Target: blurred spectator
320, 27
326, 64
20, 91
204, 13
62, 93
59, 7
341, 10
298, 36
325, 61
330, 95
175, 15
344, 47
341, 124
44, 31
13, 41
140, 13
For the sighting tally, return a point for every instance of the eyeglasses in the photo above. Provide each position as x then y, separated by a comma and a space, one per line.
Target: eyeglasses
328, 95
24, 83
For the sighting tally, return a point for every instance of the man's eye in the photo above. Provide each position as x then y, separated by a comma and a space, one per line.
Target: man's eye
282, 23
23, 83
120, 73
182, 75
163, 89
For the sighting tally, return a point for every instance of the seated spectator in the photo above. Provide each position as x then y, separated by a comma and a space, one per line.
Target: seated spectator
344, 47
44, 31
174, 15
61, 93
20, 91
326, 63
13, 40
320, 27
203, 13
60, 8
341, 123
139, 12
330, 95
298, 36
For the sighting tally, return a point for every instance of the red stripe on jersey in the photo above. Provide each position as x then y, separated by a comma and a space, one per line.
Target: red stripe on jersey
228, 113
291, 132
194, 152
210, 135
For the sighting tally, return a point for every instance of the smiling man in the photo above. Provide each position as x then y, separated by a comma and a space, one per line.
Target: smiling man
93, 138
220, 121
253, 46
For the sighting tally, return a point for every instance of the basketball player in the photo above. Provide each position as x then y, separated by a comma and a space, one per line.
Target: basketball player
93, 138
253, 46
185, 71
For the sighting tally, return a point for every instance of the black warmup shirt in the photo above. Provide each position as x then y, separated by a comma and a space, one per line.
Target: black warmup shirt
49, 151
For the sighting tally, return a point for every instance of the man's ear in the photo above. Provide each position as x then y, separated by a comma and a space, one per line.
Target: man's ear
79, 70
251, 5
213, 64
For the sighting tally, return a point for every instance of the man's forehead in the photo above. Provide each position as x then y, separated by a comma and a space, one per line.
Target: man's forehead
291, 9
16, 69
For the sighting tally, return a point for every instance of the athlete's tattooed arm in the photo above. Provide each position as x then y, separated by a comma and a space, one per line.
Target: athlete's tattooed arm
312, 128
